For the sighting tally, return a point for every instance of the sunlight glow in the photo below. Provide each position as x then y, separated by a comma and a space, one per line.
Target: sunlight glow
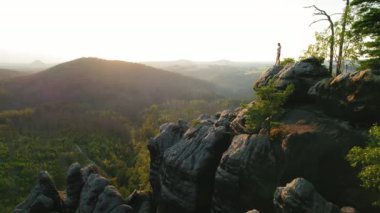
136, 30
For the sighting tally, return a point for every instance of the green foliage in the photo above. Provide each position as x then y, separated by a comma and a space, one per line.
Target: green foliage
287, 61
368, 158
269, 103
352, 45
366, 25
52, 137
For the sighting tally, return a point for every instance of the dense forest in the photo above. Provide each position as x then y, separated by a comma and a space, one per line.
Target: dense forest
51, 138
91, 111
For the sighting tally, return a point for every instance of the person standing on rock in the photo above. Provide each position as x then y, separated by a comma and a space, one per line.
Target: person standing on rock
278, 54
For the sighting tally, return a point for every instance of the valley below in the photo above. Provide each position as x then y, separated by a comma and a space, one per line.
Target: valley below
181, 156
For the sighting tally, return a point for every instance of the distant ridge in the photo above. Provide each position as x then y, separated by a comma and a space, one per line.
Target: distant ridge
103, 84
7, 73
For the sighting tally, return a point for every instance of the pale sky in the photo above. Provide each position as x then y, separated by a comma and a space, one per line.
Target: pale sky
140, 30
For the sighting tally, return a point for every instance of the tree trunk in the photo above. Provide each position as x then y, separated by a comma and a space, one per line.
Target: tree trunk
342, 34
332, 43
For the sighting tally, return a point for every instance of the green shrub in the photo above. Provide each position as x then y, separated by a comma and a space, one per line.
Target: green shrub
269, 103
287, 61
368, 158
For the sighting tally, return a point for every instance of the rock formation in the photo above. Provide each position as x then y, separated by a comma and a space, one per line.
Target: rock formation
86, 192
217, 165
351, 96
43, 198
186, 173
300, 196
302, 75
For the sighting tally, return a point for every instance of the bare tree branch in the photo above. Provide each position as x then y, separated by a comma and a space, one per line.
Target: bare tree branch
317, 21
320, 12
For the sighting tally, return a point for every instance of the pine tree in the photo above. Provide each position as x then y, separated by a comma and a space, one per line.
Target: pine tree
367, 24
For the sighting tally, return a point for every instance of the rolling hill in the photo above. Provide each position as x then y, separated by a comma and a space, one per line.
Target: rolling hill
102, 84
236, 78
6, 74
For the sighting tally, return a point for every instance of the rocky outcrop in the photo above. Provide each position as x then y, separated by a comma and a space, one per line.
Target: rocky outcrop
217, 165
141, 202
87, 192
246, 175
43, 198
306, 144
253, 211
302, 75
186, 174
351, 96
300, 196
74, 186
237, 125
170, 134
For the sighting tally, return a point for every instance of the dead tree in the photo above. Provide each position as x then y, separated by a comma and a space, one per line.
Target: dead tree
319, 12
342, 35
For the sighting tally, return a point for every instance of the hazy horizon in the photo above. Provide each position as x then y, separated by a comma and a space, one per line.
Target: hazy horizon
165, 30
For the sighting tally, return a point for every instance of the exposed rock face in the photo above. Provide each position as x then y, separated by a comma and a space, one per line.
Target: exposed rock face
170, 134
253, 211
237, 125
74, 186
188, 167
303, 75
43, 198
86, 192
348, 209
246, 176
314, 146
307, 144
91, 190
268, 75
110, 200
218, 166
351, 95
300, 196
141, 202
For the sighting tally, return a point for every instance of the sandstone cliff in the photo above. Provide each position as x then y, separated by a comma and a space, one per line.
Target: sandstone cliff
219, 166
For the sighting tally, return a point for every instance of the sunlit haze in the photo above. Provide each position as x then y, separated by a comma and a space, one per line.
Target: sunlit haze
140, 30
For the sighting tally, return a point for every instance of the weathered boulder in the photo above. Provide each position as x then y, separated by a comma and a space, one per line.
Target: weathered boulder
348, 209
311, 145
302, 75
86, 192
43, 198
306, 144
237, 125
142, 202
74, 184
351, 96
268, 75
110, 200
225, 118
300, 196
89, 196
187, 171
253, 211
170, 134
246, 176
88, 170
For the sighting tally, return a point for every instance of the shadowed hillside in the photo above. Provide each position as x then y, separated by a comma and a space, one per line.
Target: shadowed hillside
117, 85
6, 74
